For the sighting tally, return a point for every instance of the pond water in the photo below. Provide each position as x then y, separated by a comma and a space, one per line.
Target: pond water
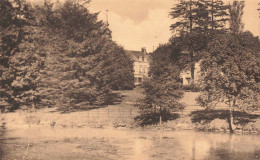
99, 144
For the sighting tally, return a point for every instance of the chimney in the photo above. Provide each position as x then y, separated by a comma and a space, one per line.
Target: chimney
143, 50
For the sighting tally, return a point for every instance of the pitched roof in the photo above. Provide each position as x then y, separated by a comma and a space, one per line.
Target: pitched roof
136, 54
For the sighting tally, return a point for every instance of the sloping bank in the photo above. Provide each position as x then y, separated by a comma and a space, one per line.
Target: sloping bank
244, 124
217, 125
51, 118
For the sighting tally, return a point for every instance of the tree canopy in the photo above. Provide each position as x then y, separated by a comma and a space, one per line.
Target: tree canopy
58, 54
230, 73
162, 89
196, 22
236, 13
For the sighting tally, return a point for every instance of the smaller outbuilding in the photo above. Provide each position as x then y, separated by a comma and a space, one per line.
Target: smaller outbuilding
185, 75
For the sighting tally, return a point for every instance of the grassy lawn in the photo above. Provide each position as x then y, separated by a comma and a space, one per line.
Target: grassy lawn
120, 114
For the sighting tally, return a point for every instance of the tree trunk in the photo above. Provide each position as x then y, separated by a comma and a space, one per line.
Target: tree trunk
192, 67
190, 18
160, 121
231, 120
212, 14
192, 71
191, 50
33, 105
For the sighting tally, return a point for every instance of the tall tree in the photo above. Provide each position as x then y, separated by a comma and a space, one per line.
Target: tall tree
162, 90
118, 67
230, 74
57, 54
14, 22
82, 58
236, 13
184, 11
25, 66
218, 15
196, 22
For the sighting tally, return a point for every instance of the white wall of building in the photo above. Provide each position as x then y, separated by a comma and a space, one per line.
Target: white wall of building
141, 69
185, 75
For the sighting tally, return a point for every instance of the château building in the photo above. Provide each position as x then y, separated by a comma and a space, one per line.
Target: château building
141, 64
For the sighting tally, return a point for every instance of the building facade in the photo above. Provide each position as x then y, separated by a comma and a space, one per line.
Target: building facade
141, 64
185, 75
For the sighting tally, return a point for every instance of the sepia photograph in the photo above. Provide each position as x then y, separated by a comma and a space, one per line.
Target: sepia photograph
129, 79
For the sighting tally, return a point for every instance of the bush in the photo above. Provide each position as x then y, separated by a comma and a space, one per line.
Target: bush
191, 87
150, 117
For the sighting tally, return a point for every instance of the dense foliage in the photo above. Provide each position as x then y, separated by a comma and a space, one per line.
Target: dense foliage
236, 13
196, 22
162, 90
229, 61
58, 54
230, 68
230, 73
15, 34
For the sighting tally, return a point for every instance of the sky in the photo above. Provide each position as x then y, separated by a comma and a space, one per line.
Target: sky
145, 23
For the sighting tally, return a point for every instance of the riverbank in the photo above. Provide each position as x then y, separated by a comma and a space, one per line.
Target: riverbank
48, 118
215, 126
122, 114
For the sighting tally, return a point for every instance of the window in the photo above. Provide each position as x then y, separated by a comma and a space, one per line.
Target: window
139, 80
143, 58
189, 80
181, 81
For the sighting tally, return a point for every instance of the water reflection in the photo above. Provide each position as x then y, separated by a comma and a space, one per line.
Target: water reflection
226, 153
2, 133
129, 144
201, 146
141, 147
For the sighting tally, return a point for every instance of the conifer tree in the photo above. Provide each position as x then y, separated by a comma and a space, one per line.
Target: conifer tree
162, 90
218, 15
184, 12
196, 22
58, 54
236, 12
80, 71
14, 19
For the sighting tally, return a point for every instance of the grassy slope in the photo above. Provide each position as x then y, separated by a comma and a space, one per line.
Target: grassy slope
119, 115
